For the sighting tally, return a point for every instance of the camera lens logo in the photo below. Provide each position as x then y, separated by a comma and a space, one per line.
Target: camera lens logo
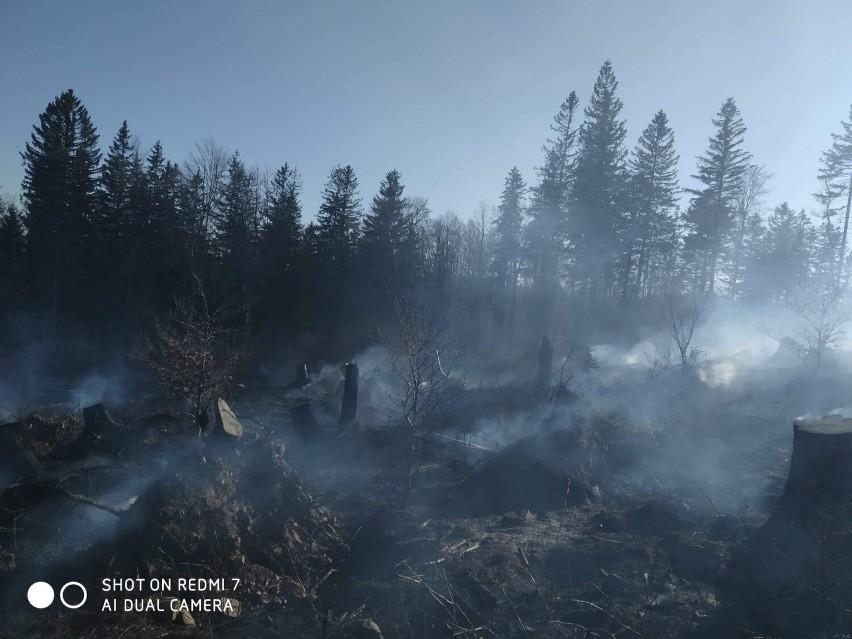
41, 594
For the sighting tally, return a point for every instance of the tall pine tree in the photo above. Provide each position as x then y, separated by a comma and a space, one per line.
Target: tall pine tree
338, 226
598, 191
383, 246
710, 213
59, 189
653, 196
546, 236
280, 251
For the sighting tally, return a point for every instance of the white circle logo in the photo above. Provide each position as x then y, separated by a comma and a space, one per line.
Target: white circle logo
40, 594
62, 595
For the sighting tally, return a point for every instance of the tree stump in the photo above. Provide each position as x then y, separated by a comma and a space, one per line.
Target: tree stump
821, 462
545, 363
301, 376
349, 406
795, 575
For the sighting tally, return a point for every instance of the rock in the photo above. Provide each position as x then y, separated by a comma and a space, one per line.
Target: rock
226, 421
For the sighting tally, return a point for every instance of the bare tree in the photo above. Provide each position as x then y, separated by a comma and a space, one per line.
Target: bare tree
747, 204
191, 355
424, 365
684, 316
208, 160
823, 316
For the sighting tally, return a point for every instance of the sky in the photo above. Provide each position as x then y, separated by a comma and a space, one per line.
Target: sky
452, 93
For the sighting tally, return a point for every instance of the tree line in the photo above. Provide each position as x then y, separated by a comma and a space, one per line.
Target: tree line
102, 243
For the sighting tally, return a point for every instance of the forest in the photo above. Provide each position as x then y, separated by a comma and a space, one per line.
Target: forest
614, 404
592, 242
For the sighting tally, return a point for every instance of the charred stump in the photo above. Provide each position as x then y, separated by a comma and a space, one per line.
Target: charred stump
301, 376
796, 573
545, 363
349, 405
97, 420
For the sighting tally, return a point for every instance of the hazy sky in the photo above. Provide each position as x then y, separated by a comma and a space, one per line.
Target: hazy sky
452, 93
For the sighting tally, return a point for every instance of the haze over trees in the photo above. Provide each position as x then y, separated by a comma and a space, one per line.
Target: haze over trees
102, 243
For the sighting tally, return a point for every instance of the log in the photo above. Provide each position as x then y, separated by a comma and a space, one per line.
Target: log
545, 363
349, 406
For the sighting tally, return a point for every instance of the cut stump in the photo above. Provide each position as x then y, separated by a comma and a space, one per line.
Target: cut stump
349, 405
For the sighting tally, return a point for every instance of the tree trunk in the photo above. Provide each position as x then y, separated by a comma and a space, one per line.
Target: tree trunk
801, 553
842, 257
349, 405
545, 363
821, 463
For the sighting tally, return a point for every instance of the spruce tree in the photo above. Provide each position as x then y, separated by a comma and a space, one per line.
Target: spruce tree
59, 189
547, 231
710, 213
783, 260
506, 259
338, 225
382, 247
598, 191
237, 240
546, 240
280, 248
653, 197
113, 230
338, 220
12, 261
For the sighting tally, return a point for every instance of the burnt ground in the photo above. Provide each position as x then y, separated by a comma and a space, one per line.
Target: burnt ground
582, 522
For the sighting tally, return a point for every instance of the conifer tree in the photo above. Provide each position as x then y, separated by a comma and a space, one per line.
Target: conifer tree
710, 213
338, 225
280, 248
653, 196
12, 264
835, 174
383, 245
237, 239
598, 191
59, 189
546, 235
783, 261
506, 260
